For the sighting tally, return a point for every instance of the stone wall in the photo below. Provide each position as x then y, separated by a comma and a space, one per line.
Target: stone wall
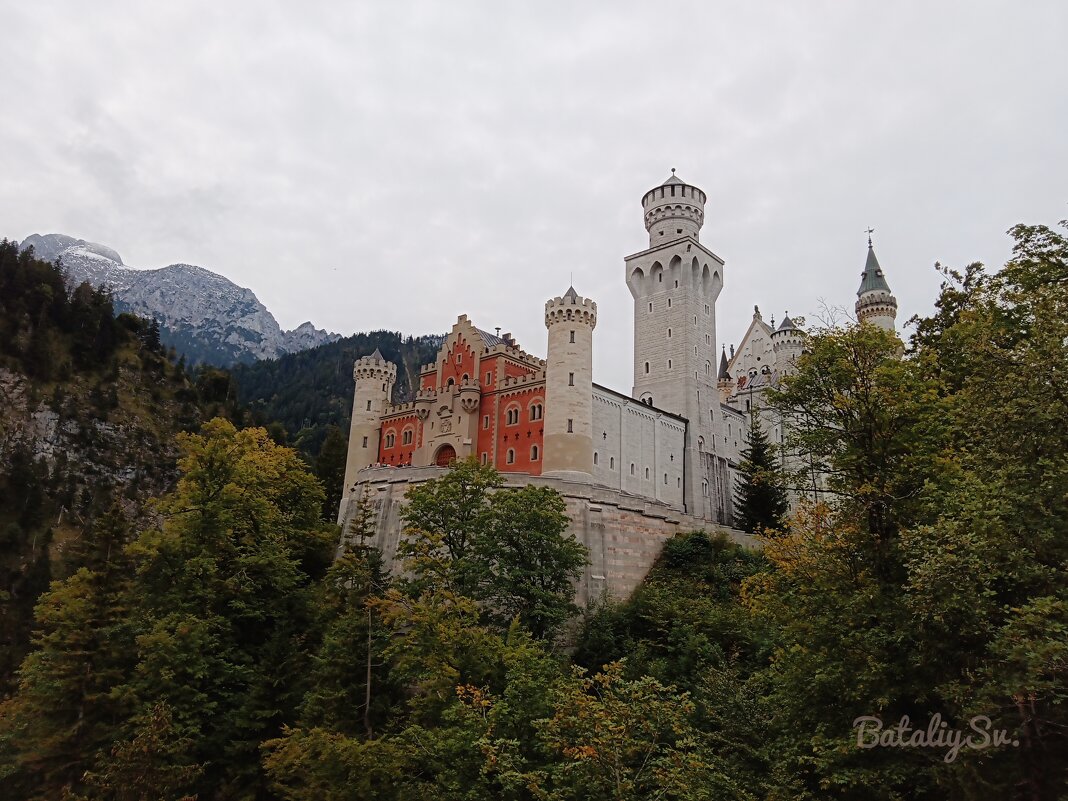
624, 533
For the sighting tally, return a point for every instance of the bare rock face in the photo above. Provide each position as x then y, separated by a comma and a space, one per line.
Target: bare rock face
202, 314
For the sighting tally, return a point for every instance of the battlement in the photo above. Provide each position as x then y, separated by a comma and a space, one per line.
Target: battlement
523, 380
570, 308
375, 368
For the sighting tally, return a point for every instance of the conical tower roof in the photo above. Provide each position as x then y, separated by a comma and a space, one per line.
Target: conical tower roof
571, 294
787, 324
377, 355
872, 279
723, 374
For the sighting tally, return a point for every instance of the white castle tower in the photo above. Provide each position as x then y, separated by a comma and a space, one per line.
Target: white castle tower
675, 283
374, 378
875, 304
568, 438
787, 344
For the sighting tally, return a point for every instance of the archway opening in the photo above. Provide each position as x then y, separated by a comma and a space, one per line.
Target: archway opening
445, 456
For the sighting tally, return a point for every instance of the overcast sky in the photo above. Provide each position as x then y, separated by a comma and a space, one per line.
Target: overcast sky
392, 165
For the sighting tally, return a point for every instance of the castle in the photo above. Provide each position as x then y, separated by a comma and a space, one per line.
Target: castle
634, 468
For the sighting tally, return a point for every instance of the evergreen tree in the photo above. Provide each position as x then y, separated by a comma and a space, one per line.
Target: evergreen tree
761, 496
330, 468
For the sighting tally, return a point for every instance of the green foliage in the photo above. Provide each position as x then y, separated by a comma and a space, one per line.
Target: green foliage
330, 468
760, 495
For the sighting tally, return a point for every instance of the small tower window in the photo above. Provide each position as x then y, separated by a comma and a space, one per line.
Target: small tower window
632, 468
611, 462
484, 458
595, 457
660, 276
365, 442
665, 478
669, 303
485, 422
669, 333
489, 379
647, 474
533, 453
511, 456
676, 284
678, 230
368, 405
679, 482
647, 368
571, 379
572, 336
650, 307
669, 364
570, 426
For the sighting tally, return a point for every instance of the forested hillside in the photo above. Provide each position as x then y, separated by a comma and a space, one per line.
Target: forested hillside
90, 403
310, 391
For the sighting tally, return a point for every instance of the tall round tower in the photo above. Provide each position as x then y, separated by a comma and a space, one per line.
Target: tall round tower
875, 303
374, 377
673, 210
568, 439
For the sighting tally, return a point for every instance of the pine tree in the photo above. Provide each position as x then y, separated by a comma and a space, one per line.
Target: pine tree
762, 501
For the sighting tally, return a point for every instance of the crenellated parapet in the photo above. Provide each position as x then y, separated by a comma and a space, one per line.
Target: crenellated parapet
374, 368
523, 381
570, 308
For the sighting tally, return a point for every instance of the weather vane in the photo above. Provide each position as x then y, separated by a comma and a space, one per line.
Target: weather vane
869, 232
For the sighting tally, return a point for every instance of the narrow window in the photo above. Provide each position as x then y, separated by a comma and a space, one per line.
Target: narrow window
571, 379
489, 379
485, 457
678, 482
669, 364
611, 462
511, 456
632, 468
676, 285
665, 478
647, 473
669, 303
595, 457
533, 453
365, 442
485, 422
368, 405
647, 368
669, 333
660, 276
570, 426
572, 336
650, 307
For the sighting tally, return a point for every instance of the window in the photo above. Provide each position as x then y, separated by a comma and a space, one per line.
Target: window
459, 358
676, 284
368, 405
533, 453
407, 436
647, 473
650, 307
660, 276
489, 379
365, 442
511, 456
632, 468
571, 379
484, 458
669, 333
678, 482
572, 336
383, 387
669, 303
595, 457
669, 364
390, 440
570, 426
647, 368
485, 422
535, 411
611, 462
678, 230
665, 478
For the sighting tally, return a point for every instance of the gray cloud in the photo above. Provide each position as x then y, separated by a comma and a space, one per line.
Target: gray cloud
395, 165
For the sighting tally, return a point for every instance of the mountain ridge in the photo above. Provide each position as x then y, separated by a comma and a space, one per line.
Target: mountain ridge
202, 314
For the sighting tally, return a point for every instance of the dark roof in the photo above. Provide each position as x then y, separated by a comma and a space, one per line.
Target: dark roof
489, 339
571, 294
787, 324
872, 279
378, 355
723, 365
674, 179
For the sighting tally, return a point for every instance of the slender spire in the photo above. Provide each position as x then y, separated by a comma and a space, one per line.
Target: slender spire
571, 294
872, 279
378, 355
723, 374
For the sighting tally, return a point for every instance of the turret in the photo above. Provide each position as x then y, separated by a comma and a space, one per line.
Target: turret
875, 304
723, 380
787, 342
673, 210
374, 377
568, 438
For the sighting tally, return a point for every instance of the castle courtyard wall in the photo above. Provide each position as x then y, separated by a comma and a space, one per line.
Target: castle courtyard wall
624, 533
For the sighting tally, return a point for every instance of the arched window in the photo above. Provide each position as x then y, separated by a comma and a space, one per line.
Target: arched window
533, 453
669, 364
632, 468
511, 456
595, 457
646, 372
611, 462
647, 473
